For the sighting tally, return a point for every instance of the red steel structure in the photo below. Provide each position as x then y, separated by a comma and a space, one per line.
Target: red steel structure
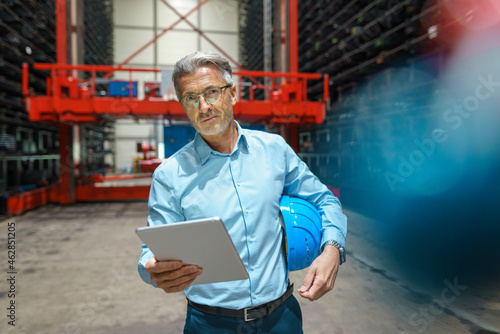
70, 100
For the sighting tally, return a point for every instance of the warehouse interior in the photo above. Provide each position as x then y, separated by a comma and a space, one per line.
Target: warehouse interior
394, 105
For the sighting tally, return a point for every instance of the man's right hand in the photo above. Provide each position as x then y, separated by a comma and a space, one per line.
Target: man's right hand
171, 276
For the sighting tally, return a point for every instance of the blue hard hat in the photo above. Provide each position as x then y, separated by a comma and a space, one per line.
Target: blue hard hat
302, 223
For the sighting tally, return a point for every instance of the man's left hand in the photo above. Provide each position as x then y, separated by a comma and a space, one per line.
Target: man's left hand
321, 275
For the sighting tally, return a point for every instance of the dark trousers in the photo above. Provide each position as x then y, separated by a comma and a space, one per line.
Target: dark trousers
286, 319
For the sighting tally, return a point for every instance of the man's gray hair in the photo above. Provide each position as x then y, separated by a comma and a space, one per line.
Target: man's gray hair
191, 63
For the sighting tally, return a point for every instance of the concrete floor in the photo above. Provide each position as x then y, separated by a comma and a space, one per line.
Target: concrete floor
76, 273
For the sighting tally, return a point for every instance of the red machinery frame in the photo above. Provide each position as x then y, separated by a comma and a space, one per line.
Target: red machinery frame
71, 100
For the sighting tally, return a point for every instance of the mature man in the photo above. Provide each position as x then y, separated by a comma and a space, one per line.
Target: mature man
238, 175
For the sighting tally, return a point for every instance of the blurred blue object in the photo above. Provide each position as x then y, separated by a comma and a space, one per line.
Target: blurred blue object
122, 88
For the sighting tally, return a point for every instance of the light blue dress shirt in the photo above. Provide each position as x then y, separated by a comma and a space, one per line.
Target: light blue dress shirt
244, 189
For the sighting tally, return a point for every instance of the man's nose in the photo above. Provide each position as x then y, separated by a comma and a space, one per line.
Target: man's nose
204, 105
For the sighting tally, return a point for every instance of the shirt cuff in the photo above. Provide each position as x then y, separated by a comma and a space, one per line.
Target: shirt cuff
145, 257
332, 234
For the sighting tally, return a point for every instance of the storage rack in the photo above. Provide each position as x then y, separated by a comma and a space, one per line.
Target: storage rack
29, 154
354, 41
252, 38
351, 40
361, 45
98, 46
251, 35
28, 150
96, 142
366, 126
98, 38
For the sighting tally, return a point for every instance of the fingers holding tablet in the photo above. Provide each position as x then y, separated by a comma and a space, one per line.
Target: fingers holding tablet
172, 276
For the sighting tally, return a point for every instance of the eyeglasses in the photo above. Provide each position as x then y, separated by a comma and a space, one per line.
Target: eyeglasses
211, 95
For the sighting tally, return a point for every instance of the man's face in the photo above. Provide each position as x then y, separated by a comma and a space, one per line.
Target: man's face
208, 119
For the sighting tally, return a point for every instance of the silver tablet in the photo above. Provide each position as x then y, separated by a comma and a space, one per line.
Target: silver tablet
203, 242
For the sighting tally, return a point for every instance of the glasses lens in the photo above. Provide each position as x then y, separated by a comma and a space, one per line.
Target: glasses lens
190, 102
213, 95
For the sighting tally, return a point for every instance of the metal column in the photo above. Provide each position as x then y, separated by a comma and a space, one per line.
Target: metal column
66, 189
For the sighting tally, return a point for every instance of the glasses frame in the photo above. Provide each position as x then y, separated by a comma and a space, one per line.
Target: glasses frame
203, 94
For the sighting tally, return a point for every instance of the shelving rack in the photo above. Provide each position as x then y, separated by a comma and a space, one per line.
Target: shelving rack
252, 39
29, 151
351, 40
96, 143
364, 46
361, 45
97, 140
98, 34
251, 35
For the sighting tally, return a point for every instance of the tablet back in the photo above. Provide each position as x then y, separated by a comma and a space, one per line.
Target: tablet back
203, 242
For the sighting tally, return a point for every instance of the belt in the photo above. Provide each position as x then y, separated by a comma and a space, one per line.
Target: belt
248, 314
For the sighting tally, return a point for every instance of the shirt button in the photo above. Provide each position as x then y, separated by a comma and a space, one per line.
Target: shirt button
252, 267
246, 211
238, 184
251, 239
254, 296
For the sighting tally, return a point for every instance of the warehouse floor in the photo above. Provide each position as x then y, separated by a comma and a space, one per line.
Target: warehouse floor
76, 273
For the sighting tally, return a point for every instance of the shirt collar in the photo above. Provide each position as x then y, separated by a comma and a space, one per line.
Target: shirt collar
204, 150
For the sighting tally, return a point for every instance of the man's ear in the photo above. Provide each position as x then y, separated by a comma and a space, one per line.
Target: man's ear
234, 94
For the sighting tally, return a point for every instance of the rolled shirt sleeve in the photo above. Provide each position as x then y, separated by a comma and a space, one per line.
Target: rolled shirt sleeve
300, 182
164, 208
